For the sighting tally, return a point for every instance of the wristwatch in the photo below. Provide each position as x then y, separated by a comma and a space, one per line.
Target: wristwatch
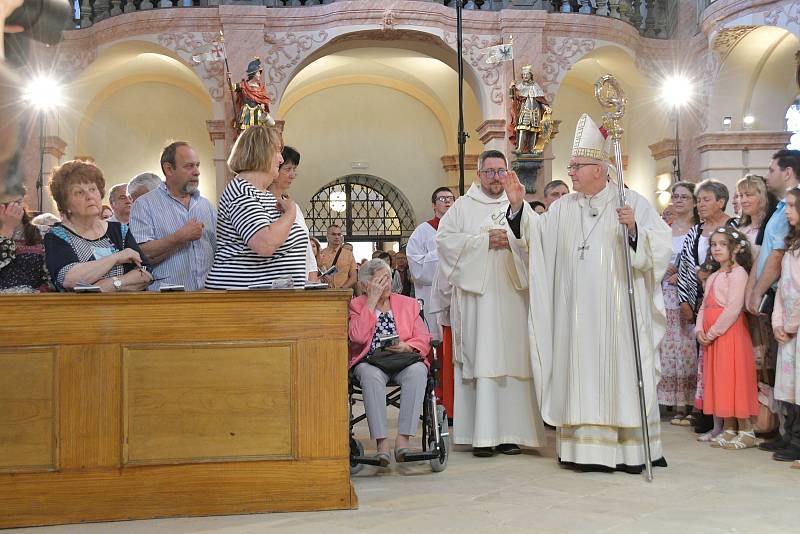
117, 283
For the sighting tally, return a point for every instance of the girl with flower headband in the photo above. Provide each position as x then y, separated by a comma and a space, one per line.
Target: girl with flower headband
729, 372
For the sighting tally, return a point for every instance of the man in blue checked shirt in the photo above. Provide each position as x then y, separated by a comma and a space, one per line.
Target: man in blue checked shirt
174, 225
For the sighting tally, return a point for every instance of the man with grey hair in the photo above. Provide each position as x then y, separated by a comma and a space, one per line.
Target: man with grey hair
495, 408
554, 190
120, 203
142, 184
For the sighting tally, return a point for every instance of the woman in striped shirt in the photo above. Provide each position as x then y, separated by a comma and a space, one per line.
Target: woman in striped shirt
258, 238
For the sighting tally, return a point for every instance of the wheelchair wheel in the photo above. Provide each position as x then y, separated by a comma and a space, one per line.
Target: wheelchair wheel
356, 449
440, 464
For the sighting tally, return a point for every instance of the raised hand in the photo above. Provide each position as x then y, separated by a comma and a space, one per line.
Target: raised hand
514, 189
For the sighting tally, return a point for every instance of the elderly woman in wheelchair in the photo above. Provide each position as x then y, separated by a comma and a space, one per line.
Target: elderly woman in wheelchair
388, 341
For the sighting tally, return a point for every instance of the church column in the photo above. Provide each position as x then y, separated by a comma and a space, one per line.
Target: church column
216, 131
54, 149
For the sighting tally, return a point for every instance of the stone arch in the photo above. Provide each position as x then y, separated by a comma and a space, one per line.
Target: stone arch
752, 76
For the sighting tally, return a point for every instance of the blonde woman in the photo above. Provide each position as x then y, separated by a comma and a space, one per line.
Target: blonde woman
258, 238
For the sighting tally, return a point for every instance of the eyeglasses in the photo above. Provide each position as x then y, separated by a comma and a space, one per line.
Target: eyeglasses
492, 173
446, 199
682, 197
577, 166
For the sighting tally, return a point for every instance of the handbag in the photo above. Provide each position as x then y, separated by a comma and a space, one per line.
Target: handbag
392, 363
767, 302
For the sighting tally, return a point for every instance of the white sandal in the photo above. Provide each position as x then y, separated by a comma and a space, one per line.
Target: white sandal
708, 436
725, 437
743, 440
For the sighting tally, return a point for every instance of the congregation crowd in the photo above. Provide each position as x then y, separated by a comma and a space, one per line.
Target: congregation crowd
718, 324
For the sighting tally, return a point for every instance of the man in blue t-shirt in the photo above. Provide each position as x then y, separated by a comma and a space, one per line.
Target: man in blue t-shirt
783, 174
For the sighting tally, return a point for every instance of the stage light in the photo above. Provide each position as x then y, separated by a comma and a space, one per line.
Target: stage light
677, 90
43, 93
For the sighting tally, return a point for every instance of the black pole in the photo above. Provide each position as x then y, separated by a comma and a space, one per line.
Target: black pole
40, 180
677, 145
462, 136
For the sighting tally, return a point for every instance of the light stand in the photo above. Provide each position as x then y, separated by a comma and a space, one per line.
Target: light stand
462, 136
42, 94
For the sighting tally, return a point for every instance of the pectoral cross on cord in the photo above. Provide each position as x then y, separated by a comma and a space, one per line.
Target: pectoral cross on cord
583, 248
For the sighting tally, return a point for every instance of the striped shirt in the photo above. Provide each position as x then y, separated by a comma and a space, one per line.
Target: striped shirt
243, 211
158, 214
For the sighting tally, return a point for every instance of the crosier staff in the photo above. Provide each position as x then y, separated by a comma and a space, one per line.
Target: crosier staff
611, 96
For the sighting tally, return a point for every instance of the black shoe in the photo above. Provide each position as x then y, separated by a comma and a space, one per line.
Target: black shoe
483, 452
509, 448
774, 445
703, 423
790, 454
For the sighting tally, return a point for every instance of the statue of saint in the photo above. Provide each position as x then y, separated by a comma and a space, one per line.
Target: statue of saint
252, 102
531, 117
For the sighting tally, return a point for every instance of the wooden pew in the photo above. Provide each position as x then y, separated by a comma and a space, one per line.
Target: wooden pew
132, 406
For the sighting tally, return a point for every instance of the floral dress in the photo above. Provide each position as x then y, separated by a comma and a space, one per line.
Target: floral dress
787, 315
22, 266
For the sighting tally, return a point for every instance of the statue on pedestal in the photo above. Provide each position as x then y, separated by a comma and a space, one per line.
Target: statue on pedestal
252, 102
531, 122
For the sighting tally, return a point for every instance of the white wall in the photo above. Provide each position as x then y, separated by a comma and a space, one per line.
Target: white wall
398, 136
128, 130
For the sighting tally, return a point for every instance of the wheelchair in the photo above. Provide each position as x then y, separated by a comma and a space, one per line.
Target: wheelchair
434, 422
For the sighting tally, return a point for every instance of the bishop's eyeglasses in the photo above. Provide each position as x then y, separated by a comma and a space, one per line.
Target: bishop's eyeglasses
575, 167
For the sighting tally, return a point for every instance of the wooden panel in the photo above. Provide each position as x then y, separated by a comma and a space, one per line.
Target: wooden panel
27, 410
322, 368
163, 318
203, 403
89, 391
181, 490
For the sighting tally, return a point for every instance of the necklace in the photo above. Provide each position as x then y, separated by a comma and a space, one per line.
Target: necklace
584, 246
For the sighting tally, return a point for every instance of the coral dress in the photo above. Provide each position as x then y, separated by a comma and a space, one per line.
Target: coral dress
729, 371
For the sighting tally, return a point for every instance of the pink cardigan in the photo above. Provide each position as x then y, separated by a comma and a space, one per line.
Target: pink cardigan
410, 326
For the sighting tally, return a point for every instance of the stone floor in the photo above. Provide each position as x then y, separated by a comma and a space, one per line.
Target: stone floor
703, 490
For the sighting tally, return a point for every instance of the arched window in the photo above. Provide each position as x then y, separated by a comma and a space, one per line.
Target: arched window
793, 124
365, 207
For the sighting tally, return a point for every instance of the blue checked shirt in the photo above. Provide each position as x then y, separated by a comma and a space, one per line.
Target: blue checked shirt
158, 214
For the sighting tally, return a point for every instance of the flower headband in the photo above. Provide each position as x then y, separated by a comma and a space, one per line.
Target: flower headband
733, 233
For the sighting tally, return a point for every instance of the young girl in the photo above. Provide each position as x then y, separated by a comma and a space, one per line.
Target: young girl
729, 374
786, 314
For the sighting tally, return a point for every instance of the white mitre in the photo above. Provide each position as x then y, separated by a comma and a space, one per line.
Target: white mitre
590, 141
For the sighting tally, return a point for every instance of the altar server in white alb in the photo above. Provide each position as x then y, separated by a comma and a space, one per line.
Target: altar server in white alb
423, 258
495, 403
586, 378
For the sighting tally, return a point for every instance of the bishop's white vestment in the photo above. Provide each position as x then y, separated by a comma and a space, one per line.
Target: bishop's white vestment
494, 393
585, 370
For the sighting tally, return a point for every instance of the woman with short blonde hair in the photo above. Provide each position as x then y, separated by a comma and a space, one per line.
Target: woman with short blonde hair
259, 242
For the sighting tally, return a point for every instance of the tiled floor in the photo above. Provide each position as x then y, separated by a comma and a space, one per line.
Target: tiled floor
703, 490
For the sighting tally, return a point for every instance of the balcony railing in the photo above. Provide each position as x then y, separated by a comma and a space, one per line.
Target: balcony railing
652, 18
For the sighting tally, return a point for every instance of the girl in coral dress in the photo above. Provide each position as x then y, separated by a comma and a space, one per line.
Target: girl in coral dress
729, 374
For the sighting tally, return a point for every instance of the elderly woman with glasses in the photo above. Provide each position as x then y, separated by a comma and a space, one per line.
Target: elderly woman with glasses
375, 316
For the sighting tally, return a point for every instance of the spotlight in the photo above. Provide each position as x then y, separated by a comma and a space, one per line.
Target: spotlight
676, 90
43, 93
727, 121
748, 121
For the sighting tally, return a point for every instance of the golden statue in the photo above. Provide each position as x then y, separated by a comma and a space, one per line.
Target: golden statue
531, 125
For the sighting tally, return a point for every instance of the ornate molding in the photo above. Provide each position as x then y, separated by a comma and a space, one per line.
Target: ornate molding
489, 73
287, 50
560, 53
743, 140
663, 149
491, 129
727, 39
450, 162
53, 145
216, 130
211, 72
